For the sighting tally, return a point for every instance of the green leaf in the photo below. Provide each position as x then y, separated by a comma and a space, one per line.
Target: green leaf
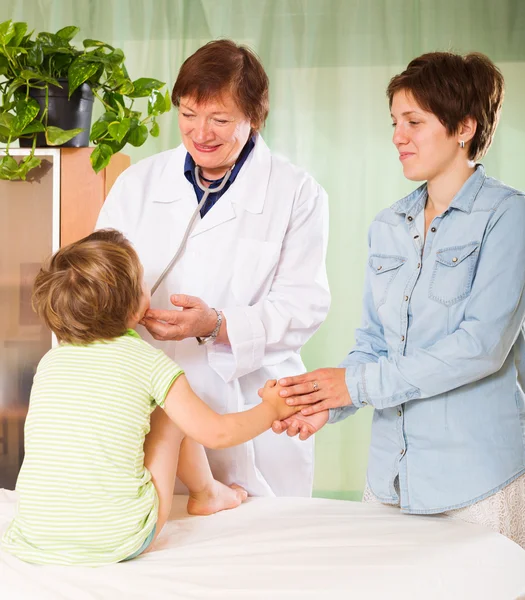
8, 168
34, 127
93, 43
50, 40
144, 86
138, 136
156, 104
116, 57
16, 83
35, 56
126, 88
6, 120
79, 72
28, 75
155, 130
98, 130
68, 33
109, 117
7, 32
112, 98
167, 101
97, 56
56, 136
29, 162
26, 39
118, 130
120, 110
100, 157
20, 30
61, 64
4, 65
114, 145
25, 113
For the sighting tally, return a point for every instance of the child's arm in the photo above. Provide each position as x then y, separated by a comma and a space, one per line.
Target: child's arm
199, 422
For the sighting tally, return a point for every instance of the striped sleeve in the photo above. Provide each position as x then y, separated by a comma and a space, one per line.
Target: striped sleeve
164, 372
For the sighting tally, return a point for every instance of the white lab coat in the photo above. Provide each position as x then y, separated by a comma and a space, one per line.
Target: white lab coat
259, 256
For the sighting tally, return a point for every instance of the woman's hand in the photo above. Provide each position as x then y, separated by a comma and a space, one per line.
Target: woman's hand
299, 424
196, 319
323, 388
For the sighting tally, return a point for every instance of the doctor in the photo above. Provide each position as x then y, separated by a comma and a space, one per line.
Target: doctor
249, 287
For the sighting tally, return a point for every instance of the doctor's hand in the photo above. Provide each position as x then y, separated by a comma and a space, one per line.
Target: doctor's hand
299, 424
195, 319
322, 389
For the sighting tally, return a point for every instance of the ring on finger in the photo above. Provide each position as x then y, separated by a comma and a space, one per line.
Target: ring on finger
315, 386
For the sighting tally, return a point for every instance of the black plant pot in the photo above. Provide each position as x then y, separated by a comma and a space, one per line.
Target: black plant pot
64, 112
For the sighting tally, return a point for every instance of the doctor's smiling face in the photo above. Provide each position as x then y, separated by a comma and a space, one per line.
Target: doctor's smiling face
213, 132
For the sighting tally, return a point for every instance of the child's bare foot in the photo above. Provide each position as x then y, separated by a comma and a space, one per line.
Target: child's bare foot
218, 497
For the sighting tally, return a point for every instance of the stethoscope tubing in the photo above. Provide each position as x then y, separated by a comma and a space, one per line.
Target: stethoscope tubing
207, 191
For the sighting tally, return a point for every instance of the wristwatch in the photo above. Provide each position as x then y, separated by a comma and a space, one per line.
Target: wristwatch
213, 335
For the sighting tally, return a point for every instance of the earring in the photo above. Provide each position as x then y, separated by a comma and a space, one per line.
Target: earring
461, 143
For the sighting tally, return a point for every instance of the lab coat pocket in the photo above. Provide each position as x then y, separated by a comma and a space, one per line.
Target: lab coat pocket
384, 268
254, 268
453, 273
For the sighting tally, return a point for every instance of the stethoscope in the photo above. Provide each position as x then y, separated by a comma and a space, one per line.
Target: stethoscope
207, 191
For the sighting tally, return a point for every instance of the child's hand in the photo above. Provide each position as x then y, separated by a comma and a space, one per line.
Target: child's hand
270, 395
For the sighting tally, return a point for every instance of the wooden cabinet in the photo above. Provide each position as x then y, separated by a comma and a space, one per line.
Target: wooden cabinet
58, 204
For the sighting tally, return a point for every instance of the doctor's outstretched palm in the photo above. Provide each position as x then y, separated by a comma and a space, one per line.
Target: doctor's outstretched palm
300, 424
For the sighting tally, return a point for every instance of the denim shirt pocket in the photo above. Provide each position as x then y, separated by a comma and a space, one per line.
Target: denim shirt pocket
453, 273
384, 268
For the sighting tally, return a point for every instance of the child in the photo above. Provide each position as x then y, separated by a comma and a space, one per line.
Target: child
101, 457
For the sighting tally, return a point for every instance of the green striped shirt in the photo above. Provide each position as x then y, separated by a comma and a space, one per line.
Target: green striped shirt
85, 496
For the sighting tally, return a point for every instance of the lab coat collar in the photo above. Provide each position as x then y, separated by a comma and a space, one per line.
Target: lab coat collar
248, 191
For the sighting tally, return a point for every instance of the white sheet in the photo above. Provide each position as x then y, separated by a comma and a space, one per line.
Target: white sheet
289, 549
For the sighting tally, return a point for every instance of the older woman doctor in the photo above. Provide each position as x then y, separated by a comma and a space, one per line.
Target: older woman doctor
250, 284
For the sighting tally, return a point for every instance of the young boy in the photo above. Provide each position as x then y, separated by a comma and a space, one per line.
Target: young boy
112, 421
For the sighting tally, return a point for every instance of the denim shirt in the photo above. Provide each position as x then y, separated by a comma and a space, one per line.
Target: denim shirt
440, 354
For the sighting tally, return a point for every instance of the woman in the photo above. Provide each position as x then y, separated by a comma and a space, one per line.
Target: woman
440, 354
251, 279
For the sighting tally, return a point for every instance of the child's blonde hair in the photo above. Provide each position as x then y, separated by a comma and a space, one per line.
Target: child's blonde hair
89, 290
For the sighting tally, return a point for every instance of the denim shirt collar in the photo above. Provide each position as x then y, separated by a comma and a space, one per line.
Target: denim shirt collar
463, 200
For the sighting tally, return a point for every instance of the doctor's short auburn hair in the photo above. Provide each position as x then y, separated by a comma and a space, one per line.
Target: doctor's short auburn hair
89, 290
224, 66
454, 87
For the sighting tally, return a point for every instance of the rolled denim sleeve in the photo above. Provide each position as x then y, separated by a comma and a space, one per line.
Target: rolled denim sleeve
370, 346
493, 318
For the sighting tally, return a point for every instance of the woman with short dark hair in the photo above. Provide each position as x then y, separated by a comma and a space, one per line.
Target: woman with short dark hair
440, 355
255, 253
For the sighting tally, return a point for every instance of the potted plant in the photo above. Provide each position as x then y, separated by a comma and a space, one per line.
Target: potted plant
46, 84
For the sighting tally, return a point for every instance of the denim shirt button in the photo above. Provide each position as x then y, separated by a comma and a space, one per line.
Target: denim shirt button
399, 413
406, 298
409, 218
402, 451
402, 338
433, 230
